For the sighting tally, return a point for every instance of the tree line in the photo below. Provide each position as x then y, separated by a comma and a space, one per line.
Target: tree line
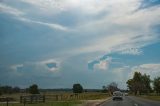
33, 89
141, 84
9, 90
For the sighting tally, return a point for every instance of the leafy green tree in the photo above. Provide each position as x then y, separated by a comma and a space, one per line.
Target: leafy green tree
77, 88
137, 79
130, 85
146, 81
139, 83
156, 84
33, 89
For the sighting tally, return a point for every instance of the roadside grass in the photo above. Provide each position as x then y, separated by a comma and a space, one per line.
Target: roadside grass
64, 96
151, 97
94, 96
55, 103
15, 96
67, 99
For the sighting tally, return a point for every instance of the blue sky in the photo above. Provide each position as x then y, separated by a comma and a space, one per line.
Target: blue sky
55, 43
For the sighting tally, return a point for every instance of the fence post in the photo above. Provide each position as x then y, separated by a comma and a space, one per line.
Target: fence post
61, 96
43, 98
56, 97
7, 100
24, 102
31, 98
21, 99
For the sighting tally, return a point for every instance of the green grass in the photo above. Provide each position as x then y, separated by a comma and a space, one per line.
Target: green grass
62, 103
65, 96
66, 99
93, 96
157, 98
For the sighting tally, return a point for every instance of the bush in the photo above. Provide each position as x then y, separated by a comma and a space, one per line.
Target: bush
33, 89
77, 88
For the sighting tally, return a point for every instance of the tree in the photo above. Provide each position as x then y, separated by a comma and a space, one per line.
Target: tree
130, 85
137, 80
139, 83
77, 88
146, 83
136, 83
104, 89
16, 89
112, 87
6, 89
33, 89
156, 85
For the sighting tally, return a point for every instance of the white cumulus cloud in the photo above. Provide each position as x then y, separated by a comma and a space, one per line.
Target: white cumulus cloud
102, 65
151, 69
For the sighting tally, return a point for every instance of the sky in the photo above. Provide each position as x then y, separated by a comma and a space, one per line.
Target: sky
56, 43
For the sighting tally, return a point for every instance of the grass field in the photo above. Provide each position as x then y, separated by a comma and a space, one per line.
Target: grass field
51, 96
82, 96
64, 99
157, 98
58, 103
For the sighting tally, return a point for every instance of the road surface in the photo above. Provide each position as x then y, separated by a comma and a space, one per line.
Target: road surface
131, 101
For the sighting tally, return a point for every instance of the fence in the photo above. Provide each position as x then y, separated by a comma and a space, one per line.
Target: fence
32, 99
62, 97
6, 99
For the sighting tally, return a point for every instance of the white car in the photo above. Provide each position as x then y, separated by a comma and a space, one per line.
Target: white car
126, 94
117, 95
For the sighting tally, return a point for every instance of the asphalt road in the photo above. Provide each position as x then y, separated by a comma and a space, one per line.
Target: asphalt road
131, 101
